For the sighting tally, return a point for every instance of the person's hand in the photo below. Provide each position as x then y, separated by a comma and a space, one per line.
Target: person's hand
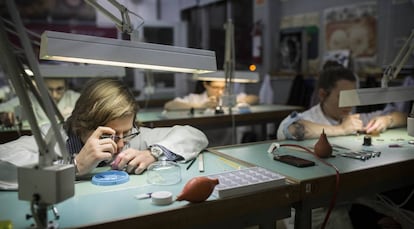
211, 103
351, 124
134, 160
7, 119
378, 124
96, 150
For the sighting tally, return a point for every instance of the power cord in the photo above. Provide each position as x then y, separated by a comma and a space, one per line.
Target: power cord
407, 215
275, 146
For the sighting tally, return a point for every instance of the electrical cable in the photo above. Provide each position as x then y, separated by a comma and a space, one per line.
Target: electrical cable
137, 15
402, 213
233, 127
406, 199
335, 194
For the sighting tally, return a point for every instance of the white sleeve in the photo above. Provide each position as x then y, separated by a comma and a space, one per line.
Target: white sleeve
20, 152
10, 105
185, 141
193, 98
283, 130
24, 150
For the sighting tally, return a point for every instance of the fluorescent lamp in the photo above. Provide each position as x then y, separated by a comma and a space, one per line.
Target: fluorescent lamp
369, 96
106, 51
239, 76
77, 71
80, 71
385, 94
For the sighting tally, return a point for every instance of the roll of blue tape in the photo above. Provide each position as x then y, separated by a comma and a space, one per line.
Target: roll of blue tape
112, 177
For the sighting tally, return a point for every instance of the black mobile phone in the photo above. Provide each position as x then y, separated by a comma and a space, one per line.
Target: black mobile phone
293, 160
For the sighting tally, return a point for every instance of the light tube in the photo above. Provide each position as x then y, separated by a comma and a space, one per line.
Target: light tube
115, 52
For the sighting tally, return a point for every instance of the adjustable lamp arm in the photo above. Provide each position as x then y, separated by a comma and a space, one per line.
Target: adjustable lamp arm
229, 55
47, 154
125, 24
394, 68
47, 182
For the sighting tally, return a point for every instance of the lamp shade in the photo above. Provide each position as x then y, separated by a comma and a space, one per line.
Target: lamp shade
239, 76
369, 96
80, 71
106, 51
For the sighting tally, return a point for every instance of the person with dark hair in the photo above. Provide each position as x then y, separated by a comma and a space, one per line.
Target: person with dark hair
328, 116
208, 97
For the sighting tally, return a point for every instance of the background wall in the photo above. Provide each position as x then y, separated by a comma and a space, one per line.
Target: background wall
395, 19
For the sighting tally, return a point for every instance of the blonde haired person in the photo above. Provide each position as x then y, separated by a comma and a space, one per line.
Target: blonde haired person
106, 107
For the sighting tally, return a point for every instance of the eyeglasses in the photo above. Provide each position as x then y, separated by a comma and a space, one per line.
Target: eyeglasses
217, 88
135, 132
59, 90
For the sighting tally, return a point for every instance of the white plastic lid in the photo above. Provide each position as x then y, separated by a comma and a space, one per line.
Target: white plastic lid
161, 198
163, 173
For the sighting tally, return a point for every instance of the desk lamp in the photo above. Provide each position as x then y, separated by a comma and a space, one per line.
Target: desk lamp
80, 71
239, 76
105, 51
228, 97
229, 75
51, 180
385, 94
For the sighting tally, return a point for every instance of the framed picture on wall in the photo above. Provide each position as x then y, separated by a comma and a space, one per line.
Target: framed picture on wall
291, 49
297, 47
354, 28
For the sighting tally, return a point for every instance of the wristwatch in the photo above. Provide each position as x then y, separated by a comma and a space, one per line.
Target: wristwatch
156, 151
75, 164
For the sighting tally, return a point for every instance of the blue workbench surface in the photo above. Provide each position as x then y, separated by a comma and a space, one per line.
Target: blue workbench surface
256, 154
94, 204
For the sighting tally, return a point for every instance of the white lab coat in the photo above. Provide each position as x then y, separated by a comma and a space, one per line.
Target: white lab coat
194, 98
315, 114
65, 106
339, 218
216, 137
185, 141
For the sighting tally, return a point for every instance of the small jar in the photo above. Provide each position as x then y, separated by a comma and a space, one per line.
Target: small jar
163, 173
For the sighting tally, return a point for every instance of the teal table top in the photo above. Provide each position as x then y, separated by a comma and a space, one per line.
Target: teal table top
152, 115
94, 204
256, 153
157, 117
